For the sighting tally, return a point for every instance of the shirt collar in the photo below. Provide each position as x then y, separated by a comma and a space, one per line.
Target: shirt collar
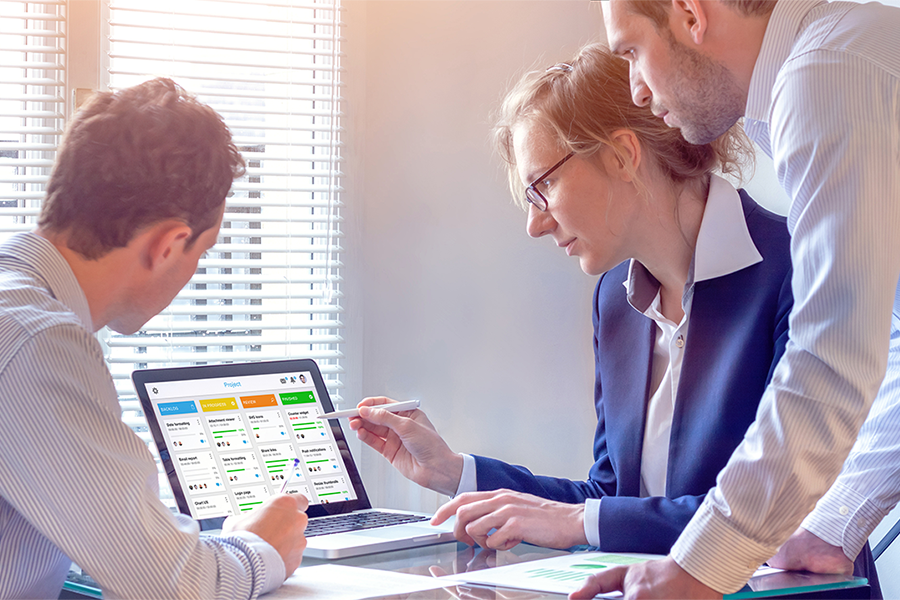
782, 30
724, 246
45, 260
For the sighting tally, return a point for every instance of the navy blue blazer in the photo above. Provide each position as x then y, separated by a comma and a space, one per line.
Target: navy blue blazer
737, 332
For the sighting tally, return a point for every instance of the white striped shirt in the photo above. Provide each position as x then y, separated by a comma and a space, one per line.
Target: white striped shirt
75, 482
824, 102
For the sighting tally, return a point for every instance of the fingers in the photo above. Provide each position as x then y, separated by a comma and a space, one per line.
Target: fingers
293, 506
452, 506
378, 425
448, 509
382, 417
375, 442
610, 580
302, 502
806, 551
496, 530
484, 518
437, 571
375, 401
281, 522
356, 422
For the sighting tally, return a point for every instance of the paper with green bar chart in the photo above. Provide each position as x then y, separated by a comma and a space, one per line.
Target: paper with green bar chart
558, 575
564, 574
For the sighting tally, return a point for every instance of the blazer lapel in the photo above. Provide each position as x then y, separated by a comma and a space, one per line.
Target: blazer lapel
626, 351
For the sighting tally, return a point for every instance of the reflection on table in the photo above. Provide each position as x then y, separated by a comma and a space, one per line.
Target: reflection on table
453, 558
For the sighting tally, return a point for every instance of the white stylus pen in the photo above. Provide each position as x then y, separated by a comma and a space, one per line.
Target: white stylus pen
290, 474
354, 412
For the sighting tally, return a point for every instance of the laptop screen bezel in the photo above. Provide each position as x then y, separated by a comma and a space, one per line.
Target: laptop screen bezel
144, 378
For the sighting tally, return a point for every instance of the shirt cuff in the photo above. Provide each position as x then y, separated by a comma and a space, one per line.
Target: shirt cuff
592, 521
468, 481
715, 554
272, 561
845, 518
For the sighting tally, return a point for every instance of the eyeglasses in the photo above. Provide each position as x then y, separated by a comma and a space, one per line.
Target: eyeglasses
532, 194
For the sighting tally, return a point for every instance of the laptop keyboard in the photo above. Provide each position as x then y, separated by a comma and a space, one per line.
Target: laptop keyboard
358, 521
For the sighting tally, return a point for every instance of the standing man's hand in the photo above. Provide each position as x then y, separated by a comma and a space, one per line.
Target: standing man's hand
652, 579
280, 521
805, 551
410, 443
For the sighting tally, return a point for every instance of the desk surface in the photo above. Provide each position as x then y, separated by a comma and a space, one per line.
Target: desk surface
453, 558
458, 558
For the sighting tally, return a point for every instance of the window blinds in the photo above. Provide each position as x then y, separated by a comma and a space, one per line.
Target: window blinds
270, 288
32, 103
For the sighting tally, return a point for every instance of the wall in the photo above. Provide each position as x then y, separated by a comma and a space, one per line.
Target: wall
447, 297
448, 300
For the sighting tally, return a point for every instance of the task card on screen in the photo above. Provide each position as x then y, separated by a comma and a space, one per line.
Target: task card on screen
234, 441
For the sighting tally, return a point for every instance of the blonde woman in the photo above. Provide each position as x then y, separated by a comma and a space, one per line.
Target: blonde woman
690, 315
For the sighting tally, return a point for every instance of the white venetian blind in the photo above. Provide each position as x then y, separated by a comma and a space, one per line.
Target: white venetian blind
32, 102
270, 288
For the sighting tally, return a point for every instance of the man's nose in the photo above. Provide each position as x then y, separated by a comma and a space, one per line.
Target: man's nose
640, 93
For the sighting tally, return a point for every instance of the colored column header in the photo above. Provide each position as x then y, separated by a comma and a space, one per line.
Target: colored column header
177, 408
259, 401
298, 398
218, 404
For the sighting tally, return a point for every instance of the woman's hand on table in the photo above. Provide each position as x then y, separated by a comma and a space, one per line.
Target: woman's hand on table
500, 519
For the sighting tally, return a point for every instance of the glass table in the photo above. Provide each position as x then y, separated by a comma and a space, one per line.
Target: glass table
453, 558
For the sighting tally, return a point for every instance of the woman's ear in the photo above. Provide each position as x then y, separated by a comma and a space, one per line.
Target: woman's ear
623, 160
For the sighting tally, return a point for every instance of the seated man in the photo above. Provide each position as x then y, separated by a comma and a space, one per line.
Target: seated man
135, 199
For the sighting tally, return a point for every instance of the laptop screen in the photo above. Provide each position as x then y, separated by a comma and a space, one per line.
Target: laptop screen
228, 436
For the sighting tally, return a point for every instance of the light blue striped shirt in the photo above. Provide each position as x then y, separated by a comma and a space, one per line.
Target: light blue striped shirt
75, 482
824, 103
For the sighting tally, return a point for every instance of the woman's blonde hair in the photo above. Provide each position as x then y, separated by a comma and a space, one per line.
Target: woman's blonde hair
583, 102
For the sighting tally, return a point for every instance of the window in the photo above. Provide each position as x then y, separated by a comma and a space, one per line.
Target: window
271, 287
32, 103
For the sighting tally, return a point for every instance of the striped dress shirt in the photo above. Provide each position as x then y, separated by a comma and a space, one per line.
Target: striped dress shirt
75, 482
824, 103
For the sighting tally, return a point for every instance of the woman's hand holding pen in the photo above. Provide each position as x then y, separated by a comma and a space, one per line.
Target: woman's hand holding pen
410, 443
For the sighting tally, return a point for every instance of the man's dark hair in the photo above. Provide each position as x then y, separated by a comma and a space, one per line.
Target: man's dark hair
136, 157
658, 10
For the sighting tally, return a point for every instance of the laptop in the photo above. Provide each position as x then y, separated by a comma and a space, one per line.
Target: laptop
228, 435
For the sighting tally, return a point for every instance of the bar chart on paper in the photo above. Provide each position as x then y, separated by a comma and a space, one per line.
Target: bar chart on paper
559, 575
562, 574
580, 570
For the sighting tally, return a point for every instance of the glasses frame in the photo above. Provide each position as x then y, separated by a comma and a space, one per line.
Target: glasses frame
533, 196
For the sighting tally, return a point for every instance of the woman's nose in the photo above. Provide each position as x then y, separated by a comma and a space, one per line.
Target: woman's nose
540, 223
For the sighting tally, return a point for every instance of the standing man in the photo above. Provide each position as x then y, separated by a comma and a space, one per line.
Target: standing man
818, 86
135, 199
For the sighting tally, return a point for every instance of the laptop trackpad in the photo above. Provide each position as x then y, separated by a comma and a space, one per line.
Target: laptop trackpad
398, 531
